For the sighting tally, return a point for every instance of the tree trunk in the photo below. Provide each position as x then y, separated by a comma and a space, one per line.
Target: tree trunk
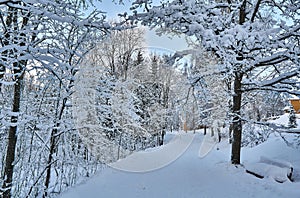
2, 70
53, 144
12, 141
237, 101
162, 136
18, 69
49, 162
237, 122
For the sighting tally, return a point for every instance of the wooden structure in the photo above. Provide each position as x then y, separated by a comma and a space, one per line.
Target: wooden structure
295, 102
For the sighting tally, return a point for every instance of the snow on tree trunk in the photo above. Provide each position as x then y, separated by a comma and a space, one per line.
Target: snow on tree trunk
18, 69
12, 140
236, 122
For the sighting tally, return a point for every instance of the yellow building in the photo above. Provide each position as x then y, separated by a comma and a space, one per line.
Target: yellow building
295, 102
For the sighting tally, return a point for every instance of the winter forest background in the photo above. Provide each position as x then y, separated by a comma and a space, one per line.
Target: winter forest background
78, 91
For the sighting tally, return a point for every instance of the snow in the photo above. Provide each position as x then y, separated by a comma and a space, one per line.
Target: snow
191, 176
157, 157
284, 120
276, 169
207, 145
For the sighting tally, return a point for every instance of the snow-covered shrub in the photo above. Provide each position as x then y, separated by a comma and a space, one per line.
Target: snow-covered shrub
254, 134
292, 119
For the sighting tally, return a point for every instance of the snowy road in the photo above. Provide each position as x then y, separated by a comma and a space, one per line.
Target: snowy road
189, 176
156, 158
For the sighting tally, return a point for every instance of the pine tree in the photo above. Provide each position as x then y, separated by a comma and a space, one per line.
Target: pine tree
292, 119
139, 59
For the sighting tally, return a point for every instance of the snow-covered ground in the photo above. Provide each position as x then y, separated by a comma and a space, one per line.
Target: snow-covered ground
191, 176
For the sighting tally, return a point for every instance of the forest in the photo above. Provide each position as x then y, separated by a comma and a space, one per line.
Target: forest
79, 91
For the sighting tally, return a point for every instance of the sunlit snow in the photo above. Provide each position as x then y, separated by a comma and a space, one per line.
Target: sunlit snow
191, 176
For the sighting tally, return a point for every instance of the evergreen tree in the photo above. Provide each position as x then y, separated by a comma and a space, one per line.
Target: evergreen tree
292, 119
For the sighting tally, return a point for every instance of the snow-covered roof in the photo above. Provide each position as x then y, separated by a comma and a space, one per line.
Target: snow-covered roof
294, 98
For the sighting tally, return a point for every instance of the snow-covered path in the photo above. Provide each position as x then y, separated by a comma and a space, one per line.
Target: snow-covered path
189, 176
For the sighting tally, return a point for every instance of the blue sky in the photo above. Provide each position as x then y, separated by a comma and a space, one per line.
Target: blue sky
112, 10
